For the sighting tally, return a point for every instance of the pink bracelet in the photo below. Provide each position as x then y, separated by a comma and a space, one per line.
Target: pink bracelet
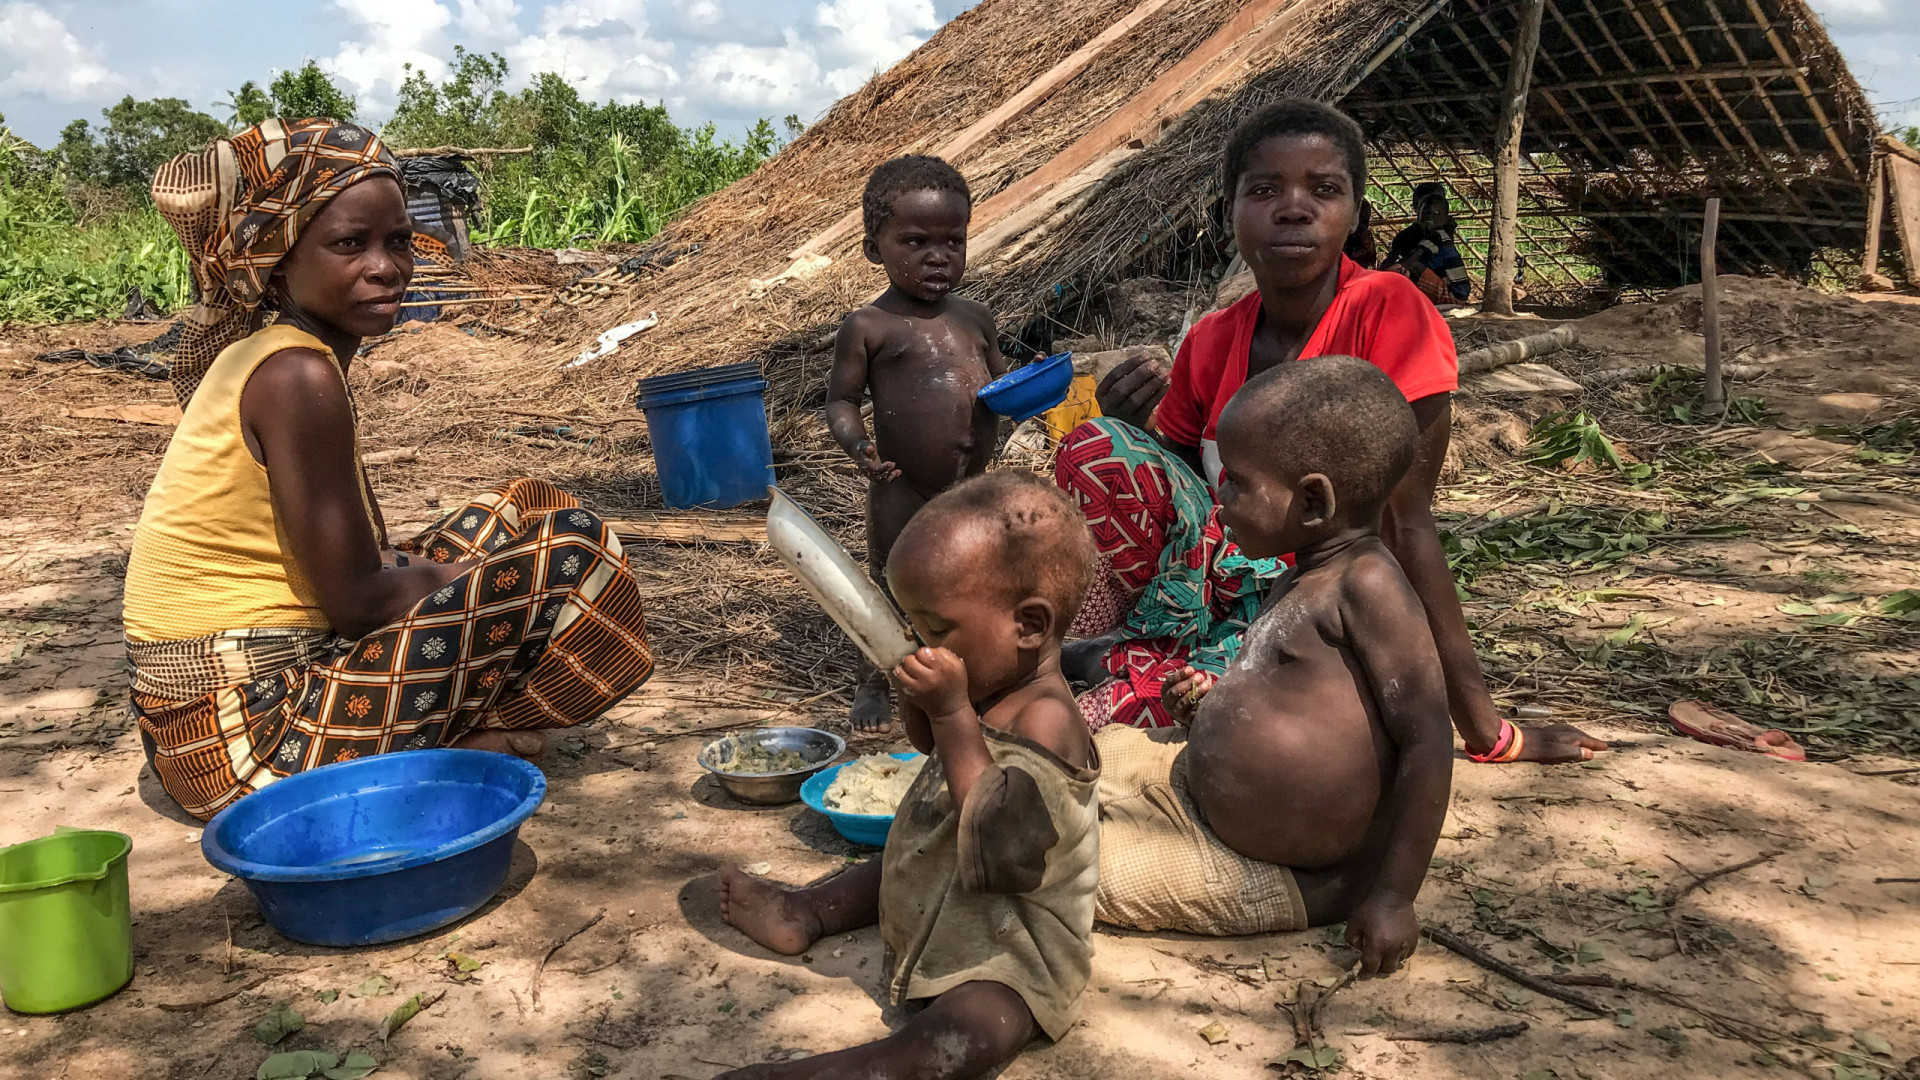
1503, 745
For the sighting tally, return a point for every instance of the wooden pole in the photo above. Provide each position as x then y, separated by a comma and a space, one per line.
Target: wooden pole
1710, 305
1876, 210
1498, 298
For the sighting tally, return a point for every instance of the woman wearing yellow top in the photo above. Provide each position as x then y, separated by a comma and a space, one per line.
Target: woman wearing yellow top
270, 627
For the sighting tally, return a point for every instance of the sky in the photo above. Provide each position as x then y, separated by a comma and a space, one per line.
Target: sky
728, 61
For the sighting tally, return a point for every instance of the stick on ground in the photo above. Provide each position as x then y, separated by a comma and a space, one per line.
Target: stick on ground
1700, 880
533, 986
1458, 944
1462, 1036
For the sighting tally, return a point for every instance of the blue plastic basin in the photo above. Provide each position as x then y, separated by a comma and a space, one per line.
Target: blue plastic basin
868, 829
709, 433
1031, 390
380, 848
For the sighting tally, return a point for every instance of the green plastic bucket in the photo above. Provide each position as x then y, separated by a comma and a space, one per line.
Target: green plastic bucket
66, 939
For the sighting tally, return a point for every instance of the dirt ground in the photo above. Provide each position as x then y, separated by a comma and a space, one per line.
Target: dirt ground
1745, 570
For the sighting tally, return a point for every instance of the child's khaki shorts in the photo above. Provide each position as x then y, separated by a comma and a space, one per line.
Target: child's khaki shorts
1160, 868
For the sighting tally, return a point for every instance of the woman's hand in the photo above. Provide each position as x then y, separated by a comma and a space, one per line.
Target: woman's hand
1132, 390
935, 681
1557, 744
1181, 694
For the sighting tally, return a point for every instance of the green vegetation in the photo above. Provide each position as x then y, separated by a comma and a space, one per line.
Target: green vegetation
610, 173
74, 256
78, 230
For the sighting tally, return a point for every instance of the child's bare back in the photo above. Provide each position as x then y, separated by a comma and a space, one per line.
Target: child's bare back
1289, 755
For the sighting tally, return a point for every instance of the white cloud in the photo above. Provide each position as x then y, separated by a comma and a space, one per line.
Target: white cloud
777, 78
869, 35
390, 35
41, 56
489, 20
601, 46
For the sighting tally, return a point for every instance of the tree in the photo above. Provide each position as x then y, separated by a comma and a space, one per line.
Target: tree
139, 136
247, 106
309, 92
463, 111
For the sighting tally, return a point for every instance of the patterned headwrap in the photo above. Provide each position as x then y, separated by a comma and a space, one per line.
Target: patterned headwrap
238, 207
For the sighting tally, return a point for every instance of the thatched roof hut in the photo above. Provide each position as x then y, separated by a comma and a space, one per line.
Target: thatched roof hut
1091, 133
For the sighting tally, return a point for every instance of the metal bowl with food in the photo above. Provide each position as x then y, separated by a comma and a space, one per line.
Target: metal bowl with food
768, 765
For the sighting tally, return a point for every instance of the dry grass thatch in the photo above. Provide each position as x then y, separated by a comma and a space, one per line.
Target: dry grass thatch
1077, 177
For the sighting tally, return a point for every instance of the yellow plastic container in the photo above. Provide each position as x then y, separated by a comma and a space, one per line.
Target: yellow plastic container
66, 935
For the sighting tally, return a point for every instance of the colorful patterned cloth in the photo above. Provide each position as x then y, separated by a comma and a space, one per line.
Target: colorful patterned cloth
238, 207
1171, 582
546, 632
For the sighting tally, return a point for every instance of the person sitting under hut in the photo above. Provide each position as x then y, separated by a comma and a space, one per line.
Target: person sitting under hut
270, 625
1174, 591
1427, 253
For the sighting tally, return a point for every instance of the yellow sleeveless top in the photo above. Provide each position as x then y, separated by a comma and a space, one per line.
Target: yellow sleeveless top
209, 554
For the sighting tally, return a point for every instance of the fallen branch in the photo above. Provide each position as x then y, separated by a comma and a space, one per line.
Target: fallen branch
1455, 943
391, 457
1610, 376
1513, 352
533, 986
1486, 523
459, 151
1675, 894
1462, 1036
189, 1006
1876, 881
1320, 1002
465, 300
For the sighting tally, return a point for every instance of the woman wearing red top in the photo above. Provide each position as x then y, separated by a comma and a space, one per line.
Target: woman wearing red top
1178, 591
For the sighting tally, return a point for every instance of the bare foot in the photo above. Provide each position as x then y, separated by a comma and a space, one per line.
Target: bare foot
872, 712
524, 744
767, 912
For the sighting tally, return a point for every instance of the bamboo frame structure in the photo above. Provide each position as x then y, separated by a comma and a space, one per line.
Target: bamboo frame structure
1636, 109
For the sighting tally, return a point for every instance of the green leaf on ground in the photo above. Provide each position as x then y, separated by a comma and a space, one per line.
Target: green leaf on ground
278, 1024
1797, 609
1904, 602
297, 1065
1593, 862
1625, 1018
327, 997
1675, 1039
375, 986
358, 1064
1215, 1033
465, 963
406, 1011
1872, 1043
1324, 1058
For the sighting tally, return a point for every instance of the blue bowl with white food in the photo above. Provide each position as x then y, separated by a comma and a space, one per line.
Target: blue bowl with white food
1028, 391
875, 783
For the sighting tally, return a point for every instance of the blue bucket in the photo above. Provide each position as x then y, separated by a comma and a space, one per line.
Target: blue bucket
709, 434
